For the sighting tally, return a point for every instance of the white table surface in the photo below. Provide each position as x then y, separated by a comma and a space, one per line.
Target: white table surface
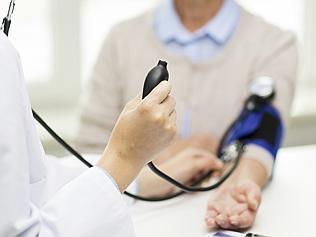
288, 207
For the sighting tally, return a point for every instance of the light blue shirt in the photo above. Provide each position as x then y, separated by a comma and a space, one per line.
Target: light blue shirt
198, 46
202, 44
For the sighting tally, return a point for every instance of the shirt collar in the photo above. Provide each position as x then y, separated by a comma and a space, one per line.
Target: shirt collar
168, 26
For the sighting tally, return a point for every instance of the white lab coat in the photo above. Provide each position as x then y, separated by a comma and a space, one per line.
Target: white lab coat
31, 202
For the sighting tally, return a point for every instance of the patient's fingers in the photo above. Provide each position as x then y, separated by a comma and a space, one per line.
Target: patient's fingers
237, 209
234, 220
248, 193
211, 223
242, 221
222, 221
228, 215
253, 198
212, 213
239, 197
210, 217
217, 206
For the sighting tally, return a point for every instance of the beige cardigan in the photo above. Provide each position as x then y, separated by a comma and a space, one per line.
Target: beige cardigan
212, 91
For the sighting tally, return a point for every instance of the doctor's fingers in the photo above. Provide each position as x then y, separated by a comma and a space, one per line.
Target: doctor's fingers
167, 106
133, 103
136, 100
158, 94
171, 125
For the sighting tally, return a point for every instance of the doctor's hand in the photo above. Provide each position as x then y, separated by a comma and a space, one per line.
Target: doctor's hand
234, 206
185, 160
144, 128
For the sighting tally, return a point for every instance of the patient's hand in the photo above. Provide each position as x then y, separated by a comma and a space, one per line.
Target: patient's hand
199, 140
185, 160
234, 206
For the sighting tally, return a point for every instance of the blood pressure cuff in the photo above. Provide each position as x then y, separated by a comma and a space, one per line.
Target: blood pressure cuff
263, 127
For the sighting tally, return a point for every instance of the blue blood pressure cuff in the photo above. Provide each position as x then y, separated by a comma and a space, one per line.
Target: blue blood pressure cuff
262, 127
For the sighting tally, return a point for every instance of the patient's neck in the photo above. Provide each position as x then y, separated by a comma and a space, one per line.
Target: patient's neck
196, 13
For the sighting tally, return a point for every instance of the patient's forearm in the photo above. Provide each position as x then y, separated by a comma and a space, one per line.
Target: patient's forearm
249, 169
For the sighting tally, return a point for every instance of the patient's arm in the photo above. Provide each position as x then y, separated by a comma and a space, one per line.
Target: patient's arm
236, 202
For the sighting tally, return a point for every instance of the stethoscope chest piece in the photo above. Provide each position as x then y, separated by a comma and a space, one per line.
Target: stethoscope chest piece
231, 152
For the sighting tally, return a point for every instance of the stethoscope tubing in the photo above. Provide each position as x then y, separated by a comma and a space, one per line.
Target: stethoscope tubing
184, 188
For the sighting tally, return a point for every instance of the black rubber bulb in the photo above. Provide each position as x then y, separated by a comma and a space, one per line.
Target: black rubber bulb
156, 75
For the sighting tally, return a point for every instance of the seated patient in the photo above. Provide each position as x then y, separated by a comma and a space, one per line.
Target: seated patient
214, 49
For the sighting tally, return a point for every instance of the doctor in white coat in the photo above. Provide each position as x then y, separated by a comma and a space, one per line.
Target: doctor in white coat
90, 204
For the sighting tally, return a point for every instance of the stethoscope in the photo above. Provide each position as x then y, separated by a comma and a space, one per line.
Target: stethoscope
262, 91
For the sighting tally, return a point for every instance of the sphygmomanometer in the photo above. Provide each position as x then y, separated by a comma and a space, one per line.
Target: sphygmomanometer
259, 122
